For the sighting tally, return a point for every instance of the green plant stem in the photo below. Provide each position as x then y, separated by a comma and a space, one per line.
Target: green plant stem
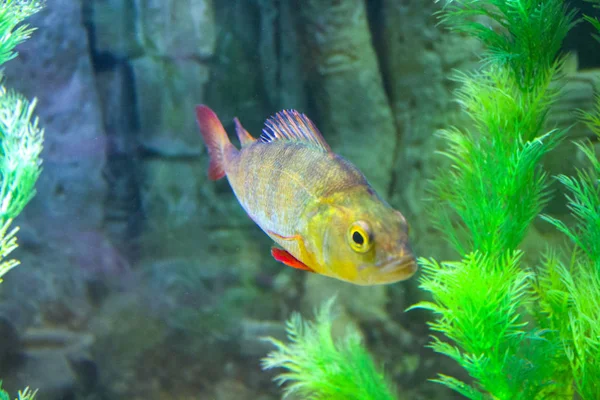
489, 196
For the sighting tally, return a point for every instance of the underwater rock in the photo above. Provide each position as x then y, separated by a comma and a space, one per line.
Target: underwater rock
166, 92
418, 60
175, 333
151, 57
176, 194
352, 109
116, 91
177, 29
125, 330
201, 295
73, 345
235, 87
279, 48
172, 29
412, 63
48, 360
122, 170
51, 374
55, 67
116, 27
9, 332
190, 217
257, 67
15, 317
56, 62
168, 148
173, 160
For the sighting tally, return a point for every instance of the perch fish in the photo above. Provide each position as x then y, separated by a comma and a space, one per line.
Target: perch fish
317, 206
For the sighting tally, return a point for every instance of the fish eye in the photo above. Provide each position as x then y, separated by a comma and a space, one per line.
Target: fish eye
359, 237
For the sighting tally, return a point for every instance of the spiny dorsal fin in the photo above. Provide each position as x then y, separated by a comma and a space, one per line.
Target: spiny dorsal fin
294, 126
242, 134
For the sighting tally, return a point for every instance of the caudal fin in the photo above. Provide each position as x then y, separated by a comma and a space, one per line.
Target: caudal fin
215, 138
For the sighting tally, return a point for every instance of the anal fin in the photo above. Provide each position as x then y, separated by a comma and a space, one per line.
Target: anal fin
288, 259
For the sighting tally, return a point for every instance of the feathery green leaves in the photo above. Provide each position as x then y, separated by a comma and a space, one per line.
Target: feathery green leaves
584, 203
319, 367
8, 242
570, 295
584, 194
494, 187
21, 138
483, 318
20, 142
12, 13
20, 148
524, 38
592, 20
25, 394
592, 118
489, 196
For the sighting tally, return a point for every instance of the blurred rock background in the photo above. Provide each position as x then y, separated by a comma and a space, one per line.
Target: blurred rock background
141, 278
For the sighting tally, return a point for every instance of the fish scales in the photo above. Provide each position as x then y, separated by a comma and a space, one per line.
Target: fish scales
275, 181
315, 204
270, 190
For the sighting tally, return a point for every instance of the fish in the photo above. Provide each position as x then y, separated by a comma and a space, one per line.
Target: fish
314, 204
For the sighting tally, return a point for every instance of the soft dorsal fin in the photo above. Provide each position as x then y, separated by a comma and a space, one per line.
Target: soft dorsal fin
242, 134
294, 126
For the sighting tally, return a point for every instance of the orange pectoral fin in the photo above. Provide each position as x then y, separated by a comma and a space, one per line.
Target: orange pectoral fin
288, 259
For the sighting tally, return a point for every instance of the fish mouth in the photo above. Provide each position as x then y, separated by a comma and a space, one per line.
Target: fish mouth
390, 270
396, 264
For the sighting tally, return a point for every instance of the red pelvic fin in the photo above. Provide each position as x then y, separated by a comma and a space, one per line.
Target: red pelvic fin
215, 138
288, 259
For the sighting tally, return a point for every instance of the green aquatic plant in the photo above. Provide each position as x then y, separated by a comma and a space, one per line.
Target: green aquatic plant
26, 394
21, 138
525, 41
488, 198
21, 142
569, 291
12, 13
584, 203
319, 367
592, 20
494, 186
